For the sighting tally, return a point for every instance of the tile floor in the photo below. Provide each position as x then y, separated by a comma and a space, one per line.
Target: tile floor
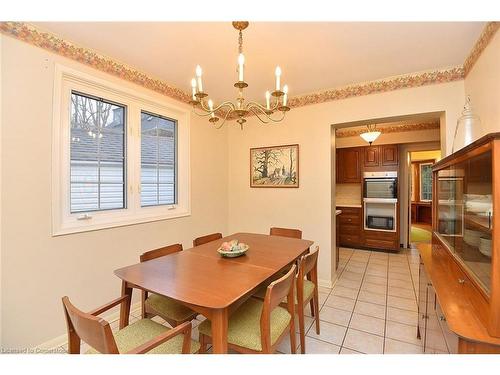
372, 307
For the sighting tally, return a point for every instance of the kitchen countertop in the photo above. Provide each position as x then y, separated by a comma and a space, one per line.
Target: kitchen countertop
338, 212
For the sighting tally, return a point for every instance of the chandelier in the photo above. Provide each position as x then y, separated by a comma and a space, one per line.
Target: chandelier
371, 134
273, 111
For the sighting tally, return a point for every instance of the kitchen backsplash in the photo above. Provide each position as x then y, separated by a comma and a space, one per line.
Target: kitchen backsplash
348, 194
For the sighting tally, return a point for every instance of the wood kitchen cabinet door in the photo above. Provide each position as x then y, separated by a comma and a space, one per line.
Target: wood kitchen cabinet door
371, 158
389, 155
348, 165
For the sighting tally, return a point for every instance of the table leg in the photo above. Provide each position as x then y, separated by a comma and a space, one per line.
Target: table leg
125, 306
219, 320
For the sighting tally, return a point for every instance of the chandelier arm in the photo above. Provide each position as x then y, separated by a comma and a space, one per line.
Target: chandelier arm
259, 107
223, 121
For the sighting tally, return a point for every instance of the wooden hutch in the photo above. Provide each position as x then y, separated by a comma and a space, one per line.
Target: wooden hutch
459, 279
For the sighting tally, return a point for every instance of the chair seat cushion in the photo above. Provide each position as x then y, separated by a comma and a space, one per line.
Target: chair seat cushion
244, 325
143, 330
308, 291
169, 308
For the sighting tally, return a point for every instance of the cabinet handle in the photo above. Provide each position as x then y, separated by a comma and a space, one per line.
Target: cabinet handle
349, 219
442, 318
461, 281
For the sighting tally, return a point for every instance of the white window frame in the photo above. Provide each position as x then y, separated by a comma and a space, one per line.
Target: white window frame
420, 182
63, 221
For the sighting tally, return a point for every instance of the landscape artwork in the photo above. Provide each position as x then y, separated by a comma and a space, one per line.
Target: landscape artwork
276, 166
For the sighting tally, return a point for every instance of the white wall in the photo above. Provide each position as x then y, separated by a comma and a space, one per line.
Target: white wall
309, 206
1, 158
483, 85
37, 269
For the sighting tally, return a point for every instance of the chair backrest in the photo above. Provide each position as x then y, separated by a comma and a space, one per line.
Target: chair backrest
205, 239
309, 262
93, 330
162, 251
275, 294
286, 232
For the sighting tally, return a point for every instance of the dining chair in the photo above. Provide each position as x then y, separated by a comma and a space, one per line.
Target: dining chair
154, 304
286, 232
205, 239
259, 326
306, 291
141, 337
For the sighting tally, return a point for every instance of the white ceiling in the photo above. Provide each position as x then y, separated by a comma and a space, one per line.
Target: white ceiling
312, 55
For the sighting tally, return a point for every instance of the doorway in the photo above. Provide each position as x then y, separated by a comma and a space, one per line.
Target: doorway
420, 202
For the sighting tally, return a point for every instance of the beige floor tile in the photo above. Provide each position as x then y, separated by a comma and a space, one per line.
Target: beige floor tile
340, 303
348, 283
399, 276
380, 261
374, 288
345, 292
376, 272
355, 269
402, 332
368, 324
331, 333
349, 351
322, 289
399, 347
322, 298
377, 267
401, 292
363, 342
284, 345
379, 280
402, 316
401, 284
402, 303
351, 276
379, 299
357, 261
336, 316
402, 270
314, 346
307, 322
370, 309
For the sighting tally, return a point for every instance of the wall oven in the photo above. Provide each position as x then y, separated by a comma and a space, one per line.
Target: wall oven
380, 185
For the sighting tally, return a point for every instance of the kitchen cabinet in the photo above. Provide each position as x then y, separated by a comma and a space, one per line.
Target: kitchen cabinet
383, 156
349, 165
349, 224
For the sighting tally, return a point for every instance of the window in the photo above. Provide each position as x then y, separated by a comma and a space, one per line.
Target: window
426, 182
158, 160
97, 154
120, 155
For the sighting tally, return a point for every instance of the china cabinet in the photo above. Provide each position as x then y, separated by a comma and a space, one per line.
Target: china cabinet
462, 265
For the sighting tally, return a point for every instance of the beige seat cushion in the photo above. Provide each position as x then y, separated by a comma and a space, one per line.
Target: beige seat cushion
308, 291
143, 330
244, 325
169, 308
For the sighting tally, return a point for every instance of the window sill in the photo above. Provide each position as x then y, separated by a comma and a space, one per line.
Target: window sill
100, 223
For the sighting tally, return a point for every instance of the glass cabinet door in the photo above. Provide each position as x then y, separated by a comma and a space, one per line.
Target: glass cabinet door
465, 213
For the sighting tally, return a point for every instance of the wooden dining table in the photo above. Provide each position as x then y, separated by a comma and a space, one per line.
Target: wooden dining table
209, 284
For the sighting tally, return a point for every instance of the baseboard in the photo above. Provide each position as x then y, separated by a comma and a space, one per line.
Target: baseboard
62, 339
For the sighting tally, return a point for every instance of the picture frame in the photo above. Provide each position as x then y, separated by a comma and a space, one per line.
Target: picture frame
274, 166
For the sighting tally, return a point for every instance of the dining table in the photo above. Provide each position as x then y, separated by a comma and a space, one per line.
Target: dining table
209, 284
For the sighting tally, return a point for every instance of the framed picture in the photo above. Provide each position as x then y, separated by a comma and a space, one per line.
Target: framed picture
275, 166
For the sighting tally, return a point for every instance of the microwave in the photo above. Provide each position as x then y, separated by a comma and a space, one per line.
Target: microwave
380, 222
380, 185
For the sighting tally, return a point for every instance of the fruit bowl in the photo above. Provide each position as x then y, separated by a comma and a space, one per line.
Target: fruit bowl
232, 249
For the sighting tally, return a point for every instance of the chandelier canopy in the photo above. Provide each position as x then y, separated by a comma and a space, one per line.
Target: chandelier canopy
371, 134
276, 101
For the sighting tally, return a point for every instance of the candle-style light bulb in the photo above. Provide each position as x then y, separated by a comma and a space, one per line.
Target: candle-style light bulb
285, 95
278, 76
241, 63
211, 107
268, 98
193, 87
198, 75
